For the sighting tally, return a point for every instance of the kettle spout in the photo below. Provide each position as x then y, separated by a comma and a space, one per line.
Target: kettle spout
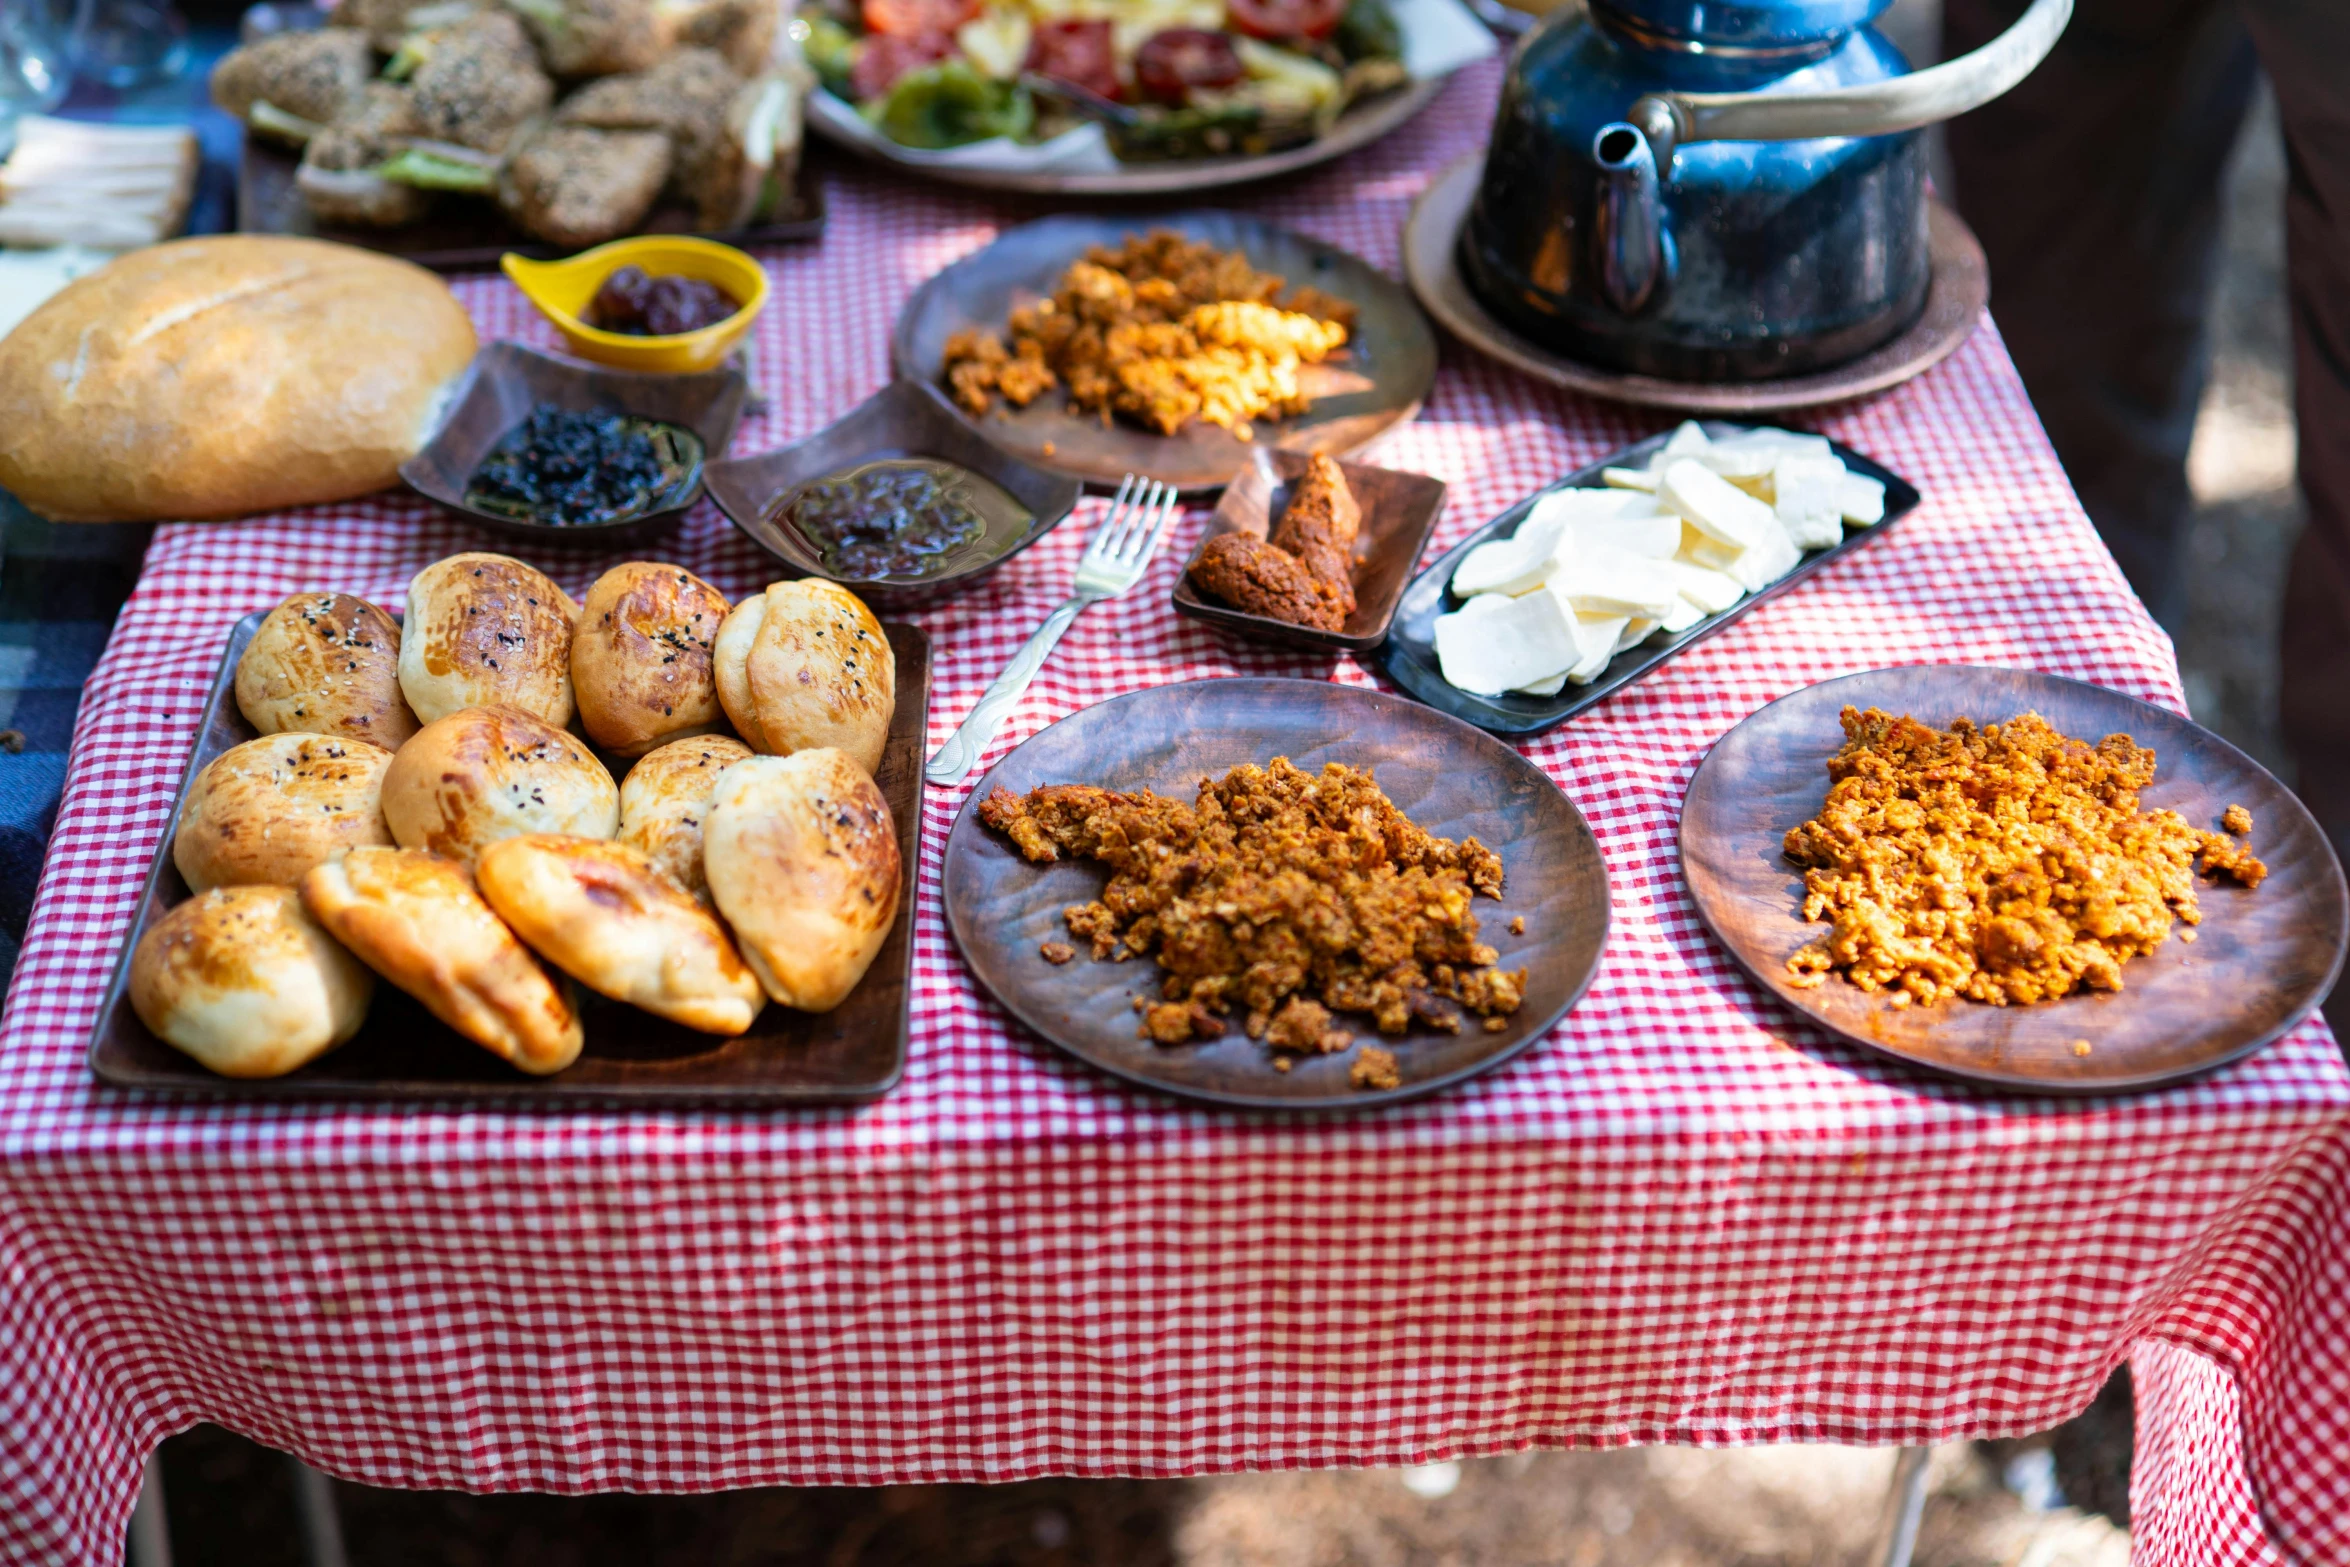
1629, 227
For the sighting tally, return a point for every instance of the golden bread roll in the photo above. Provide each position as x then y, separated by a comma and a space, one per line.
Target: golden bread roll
220, 376
803, 862
329, 664
640, 660
730, 669
266, 811
247, 983
416, 919
487, 631
601, 913
487, 773
809, 667
665, 799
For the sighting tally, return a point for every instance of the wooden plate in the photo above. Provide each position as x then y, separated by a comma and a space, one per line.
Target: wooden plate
1409, 653
903, 419
1960, 288
507, 380
1449, 778
2262, 958
855, 1052
1377, 381
470, 235
1399, 512
1361, 125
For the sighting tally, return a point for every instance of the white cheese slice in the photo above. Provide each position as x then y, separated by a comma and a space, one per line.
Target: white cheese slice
1610, 582
1494, 644
1601, 631
1717, 508
1656, 536
1807, 493
1864, 500
1525, 560
1637, 629
1711, 591
1497, 561
1767, 562
1628, 479
1698, 550
1583, 501
1769, 438
1681, 617
1688, 438
1550, 687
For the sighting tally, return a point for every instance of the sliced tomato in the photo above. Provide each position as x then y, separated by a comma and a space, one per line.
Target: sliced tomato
1286, 18
917, 18
1170, 64
1079, 53
882, 58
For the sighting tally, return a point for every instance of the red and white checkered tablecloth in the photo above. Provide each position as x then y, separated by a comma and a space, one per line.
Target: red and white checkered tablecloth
1686, 1217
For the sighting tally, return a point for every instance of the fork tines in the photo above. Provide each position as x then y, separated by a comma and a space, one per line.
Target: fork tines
1130, 534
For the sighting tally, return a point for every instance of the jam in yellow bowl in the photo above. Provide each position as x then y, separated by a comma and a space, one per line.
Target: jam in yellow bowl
562, 290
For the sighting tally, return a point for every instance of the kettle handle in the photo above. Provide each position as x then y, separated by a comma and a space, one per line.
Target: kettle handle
1880, 108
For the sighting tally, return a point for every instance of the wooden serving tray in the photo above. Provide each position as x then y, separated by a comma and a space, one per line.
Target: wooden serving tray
855, 1052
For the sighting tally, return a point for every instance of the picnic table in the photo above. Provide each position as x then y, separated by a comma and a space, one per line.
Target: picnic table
1687, 1216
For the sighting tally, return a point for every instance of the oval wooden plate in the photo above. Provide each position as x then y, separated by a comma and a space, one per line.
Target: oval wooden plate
1378, 380
1451, 779
2261, 960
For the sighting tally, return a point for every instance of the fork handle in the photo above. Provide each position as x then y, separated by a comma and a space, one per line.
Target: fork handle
960, 754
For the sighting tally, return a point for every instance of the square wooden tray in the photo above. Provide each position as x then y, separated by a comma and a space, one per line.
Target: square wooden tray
855, 1052
1399, 512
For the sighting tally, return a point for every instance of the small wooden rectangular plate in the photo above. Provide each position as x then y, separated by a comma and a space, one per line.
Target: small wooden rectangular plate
1409, 653
855, 1052
1399, 512
471, 236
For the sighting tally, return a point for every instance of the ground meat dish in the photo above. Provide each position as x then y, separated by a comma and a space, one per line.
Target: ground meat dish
1304, 573
2006, 864
1252, 574
1280, 895
1162, 330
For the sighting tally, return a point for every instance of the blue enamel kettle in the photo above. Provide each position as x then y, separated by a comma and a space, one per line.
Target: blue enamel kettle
1719, 190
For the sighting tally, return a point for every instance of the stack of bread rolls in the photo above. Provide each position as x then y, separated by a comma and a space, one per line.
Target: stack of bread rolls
428, 804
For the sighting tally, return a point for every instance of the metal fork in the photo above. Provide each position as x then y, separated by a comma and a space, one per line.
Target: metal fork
1113, 562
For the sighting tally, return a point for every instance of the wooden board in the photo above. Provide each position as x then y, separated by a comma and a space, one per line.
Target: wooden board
2261, 960
855, 1052
1447, 777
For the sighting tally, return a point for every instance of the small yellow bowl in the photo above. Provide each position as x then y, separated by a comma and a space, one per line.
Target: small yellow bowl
562, 289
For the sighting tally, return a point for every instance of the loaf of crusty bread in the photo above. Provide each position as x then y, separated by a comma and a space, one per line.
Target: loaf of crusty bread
220, 376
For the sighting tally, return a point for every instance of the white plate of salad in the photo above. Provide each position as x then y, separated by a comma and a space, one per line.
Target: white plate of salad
1124, 96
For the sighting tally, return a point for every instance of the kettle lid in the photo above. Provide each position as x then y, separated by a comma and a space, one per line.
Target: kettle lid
1736, 26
